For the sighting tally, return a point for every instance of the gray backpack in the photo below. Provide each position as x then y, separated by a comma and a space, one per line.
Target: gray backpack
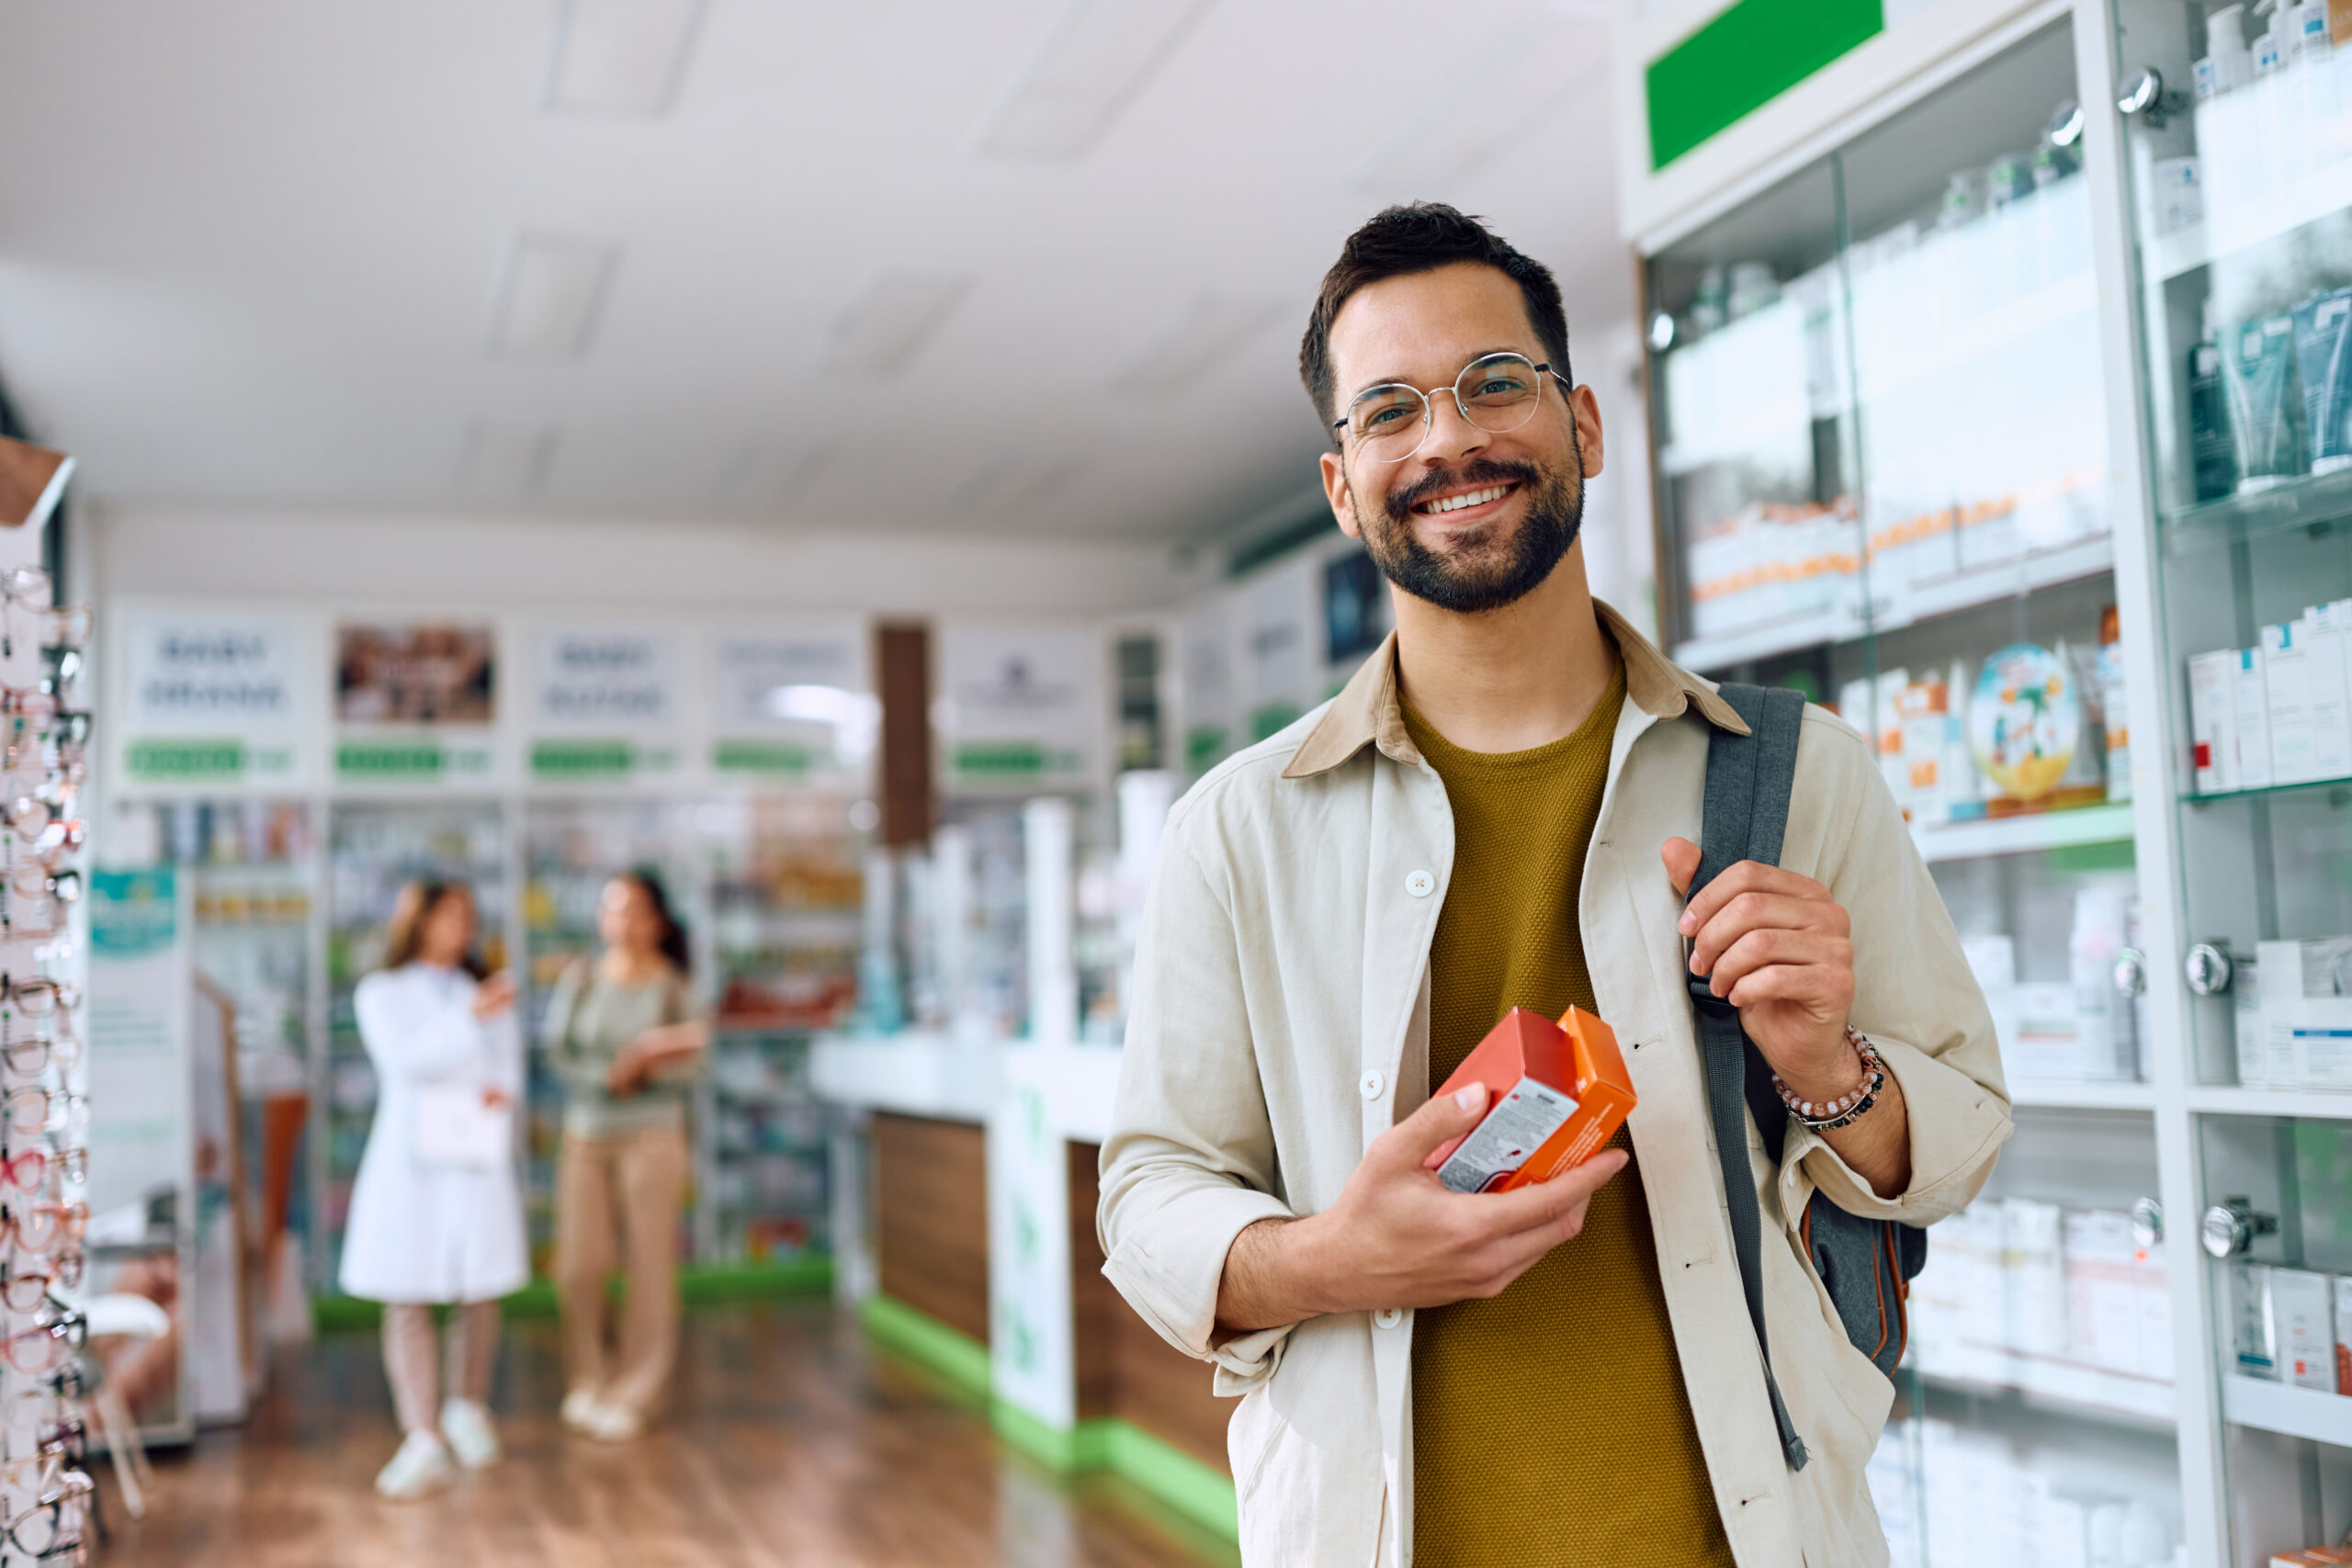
1866, 1265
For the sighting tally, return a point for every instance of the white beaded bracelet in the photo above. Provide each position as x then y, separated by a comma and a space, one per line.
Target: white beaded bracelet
1827, 1115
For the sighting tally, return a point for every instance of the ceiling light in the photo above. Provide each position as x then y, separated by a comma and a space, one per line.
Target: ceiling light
888, 324
1211, 331
1494, 106
1088, 65
550, 293
506, 463
620, 56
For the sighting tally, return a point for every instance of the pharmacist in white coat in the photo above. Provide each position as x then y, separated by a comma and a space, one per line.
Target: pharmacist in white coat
435, 1214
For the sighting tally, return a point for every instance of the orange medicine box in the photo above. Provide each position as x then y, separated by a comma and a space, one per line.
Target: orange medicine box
1556, 1092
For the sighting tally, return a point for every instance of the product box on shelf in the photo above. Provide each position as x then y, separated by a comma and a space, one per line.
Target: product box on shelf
2253, 1342
1556, 1092
2341, 1292
2303, 1331
2303, 990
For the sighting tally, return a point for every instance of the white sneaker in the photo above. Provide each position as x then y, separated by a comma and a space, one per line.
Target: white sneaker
466, 1427
422, 1466
613, 1423
578, 1406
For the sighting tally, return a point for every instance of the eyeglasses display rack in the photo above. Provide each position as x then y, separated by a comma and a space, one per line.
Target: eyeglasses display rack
47, 1497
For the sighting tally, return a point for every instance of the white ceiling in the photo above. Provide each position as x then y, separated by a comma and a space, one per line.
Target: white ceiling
252, 251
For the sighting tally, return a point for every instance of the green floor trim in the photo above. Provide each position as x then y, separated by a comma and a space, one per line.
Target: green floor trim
699, 1284
1063, 1449
960, 1359
1201, 1493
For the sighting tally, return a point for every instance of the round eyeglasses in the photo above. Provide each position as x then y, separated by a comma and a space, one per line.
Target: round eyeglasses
1495, 392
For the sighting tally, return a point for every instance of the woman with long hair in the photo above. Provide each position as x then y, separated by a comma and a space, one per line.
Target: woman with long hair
623, 1034
435, 1215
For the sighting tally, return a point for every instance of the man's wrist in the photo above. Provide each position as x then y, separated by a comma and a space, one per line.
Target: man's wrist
1839, 1072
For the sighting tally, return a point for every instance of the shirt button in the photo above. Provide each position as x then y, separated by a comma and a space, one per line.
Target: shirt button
1419, 884
1371, 1083
1388, 1317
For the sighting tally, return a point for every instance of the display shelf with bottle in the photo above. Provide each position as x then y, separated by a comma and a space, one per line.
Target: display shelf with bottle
787, 891
373, 848
761, 1169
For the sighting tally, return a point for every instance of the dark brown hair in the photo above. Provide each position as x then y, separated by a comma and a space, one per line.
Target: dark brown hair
414, 906
1422, 237
672, 942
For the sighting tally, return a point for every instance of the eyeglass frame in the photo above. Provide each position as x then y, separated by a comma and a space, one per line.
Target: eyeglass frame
1428, 404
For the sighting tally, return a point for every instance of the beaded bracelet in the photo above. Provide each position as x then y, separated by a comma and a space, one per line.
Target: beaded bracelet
1829, 1115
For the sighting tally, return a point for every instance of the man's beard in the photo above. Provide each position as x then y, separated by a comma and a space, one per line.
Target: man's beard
1476, 571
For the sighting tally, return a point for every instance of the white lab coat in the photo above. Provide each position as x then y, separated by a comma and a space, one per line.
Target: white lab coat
432, 1233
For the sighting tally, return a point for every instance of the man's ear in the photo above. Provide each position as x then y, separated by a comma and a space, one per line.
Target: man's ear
1341, 498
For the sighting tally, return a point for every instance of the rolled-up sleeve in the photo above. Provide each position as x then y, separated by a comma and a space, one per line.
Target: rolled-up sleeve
1190, 1160
1919, 1004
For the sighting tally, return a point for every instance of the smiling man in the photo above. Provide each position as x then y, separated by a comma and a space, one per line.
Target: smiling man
1500, 810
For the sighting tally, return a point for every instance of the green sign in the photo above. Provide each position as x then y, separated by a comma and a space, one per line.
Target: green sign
583, 759
412, 761
1010, 761
784, 759
1270, 718
1749, 54
195, 762
1204, 747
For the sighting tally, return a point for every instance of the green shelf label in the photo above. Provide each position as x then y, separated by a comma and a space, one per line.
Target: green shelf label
583, 759
391, 759
784, 758
209, 761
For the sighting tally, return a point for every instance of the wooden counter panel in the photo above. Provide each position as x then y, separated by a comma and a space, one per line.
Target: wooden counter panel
931, 1218
1124, 1370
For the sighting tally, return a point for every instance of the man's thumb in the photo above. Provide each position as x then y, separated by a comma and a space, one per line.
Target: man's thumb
1446, 1116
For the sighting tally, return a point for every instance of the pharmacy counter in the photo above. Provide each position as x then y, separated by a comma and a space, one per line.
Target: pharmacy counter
945, 1171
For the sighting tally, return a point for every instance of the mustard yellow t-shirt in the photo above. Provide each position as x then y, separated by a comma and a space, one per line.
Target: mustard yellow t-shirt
1550, 1424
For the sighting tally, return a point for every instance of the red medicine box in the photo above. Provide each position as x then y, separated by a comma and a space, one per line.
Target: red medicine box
1555, 1094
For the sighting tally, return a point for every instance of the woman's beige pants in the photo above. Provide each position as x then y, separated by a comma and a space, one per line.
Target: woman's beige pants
617, 1204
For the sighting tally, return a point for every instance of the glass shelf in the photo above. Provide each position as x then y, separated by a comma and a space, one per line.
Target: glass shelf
2315, 501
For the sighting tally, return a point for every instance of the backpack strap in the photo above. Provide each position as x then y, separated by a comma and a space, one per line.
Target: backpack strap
1749, 778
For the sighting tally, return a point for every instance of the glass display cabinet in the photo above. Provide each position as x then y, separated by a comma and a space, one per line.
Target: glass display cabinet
2238, 138
1883, 458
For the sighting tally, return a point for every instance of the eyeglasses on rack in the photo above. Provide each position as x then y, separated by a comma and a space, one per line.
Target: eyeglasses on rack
37, 996
31, 1108
50, 1530
38, 1227
30, 1288
35, 1053
46, 1346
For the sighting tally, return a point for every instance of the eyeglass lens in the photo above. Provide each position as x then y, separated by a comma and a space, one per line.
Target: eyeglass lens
1498, 393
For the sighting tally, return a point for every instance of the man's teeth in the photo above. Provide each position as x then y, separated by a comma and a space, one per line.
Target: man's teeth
1471, 498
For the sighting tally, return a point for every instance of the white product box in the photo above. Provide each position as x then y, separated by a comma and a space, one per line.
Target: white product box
2036, 1278
2305, 991
2303, 1328
2152, 1285
2256, 1347
2250, 710
2330, 630
1886, 717
2212, 724
2045, 1042
2256, 1070
2287, 681
2102, 1295
2341, 1290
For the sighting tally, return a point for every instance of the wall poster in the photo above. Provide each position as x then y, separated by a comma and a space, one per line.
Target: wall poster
214, 700
793, 704
415, 702
605, 703
1018, 708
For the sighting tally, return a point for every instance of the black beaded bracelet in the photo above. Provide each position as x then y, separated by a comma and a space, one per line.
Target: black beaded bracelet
1829, 1115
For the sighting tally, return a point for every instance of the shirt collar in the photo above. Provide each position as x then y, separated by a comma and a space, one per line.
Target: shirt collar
1370, 711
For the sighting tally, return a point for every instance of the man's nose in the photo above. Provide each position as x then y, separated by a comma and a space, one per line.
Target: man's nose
1451, 437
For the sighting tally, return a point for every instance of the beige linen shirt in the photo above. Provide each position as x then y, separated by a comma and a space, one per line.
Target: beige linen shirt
1279, 1023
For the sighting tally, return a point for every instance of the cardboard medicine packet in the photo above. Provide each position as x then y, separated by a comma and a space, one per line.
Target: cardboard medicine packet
1555, 1094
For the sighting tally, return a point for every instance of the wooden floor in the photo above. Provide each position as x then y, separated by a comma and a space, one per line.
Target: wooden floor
792, 1443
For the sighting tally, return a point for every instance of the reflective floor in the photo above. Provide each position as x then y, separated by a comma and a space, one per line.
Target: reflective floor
791, 1442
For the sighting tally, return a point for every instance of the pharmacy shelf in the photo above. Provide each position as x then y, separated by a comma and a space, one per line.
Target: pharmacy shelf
2096, 1394
2231, 229
1920, 601
2277, 1407
2303, 503
2025, 834
2213, 797
2309, 1104
2048, 1095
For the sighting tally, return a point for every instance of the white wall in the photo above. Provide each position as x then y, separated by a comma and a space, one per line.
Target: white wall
501, 562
